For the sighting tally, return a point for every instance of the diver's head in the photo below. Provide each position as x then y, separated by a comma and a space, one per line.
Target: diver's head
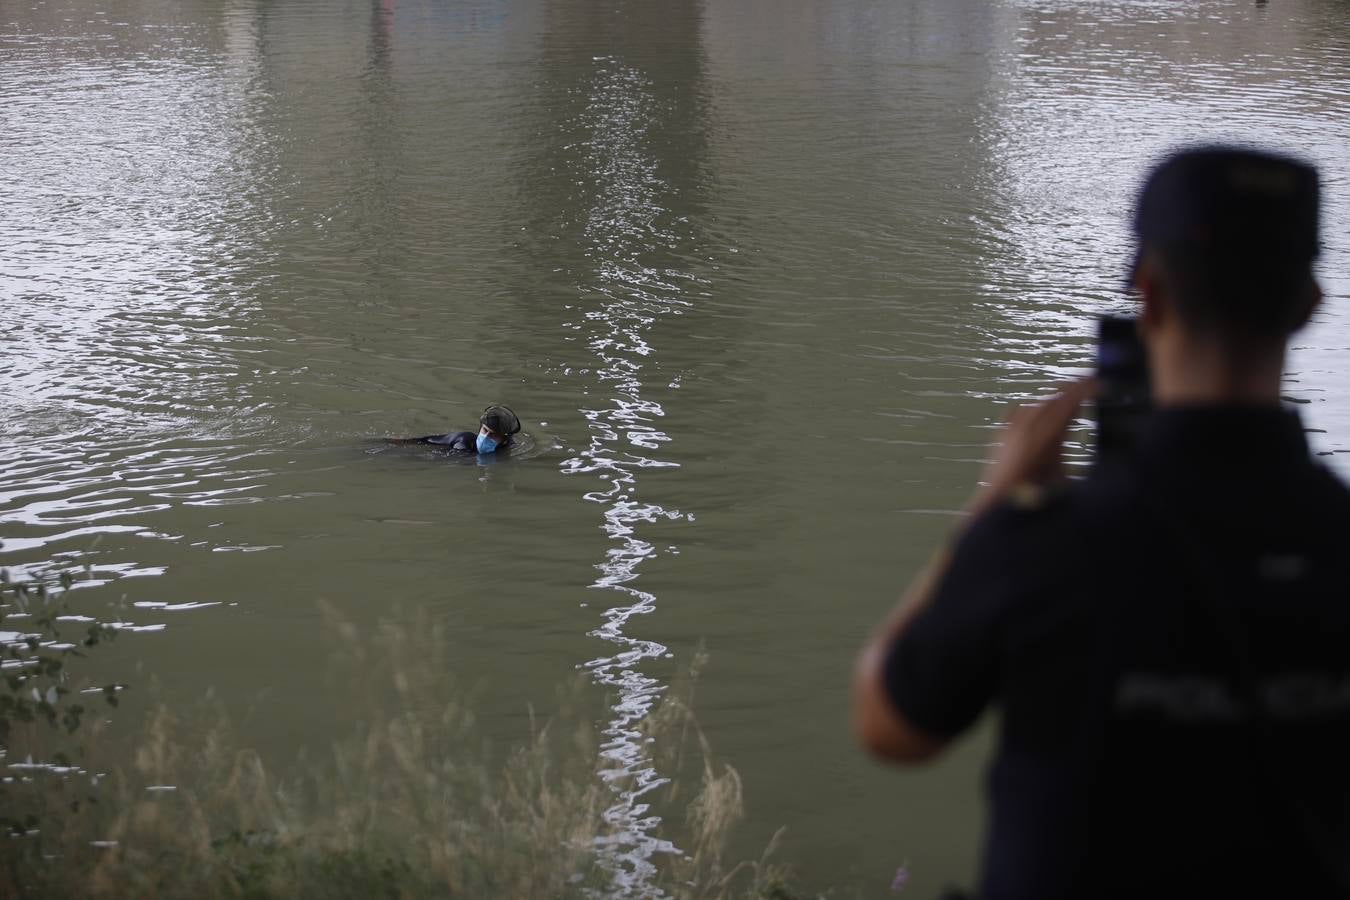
495, 427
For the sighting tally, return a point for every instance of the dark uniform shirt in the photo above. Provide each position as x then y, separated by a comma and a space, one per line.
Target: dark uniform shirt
1169, 643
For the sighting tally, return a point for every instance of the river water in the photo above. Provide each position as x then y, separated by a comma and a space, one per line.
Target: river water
758, 276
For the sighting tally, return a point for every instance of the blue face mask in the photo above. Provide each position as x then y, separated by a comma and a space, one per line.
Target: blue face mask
485, 444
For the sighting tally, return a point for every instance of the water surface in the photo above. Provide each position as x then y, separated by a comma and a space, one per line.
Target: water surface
759, 278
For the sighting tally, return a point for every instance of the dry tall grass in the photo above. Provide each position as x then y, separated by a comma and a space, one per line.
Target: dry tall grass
403, 807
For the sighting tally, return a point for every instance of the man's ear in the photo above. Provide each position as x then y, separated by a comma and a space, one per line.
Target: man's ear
1152, 294
1312, 300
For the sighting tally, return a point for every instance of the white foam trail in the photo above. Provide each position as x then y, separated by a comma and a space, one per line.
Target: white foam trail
626, 298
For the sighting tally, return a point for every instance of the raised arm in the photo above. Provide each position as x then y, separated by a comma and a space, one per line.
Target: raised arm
1028, 456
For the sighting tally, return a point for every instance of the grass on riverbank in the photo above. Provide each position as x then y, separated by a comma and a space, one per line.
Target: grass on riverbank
402, 807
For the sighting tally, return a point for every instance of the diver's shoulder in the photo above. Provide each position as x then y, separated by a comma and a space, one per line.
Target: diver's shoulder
455, 440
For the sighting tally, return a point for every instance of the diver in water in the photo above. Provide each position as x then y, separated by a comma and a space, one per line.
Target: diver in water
495, 427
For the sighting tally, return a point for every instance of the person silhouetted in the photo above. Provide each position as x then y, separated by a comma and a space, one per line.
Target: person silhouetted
1168, 638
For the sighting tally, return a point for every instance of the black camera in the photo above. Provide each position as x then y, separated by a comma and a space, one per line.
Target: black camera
1123, 395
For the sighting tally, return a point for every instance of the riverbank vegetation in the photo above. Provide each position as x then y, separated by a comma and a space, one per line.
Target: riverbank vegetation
408, 804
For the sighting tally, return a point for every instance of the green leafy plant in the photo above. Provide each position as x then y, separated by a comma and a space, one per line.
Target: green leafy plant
38, 690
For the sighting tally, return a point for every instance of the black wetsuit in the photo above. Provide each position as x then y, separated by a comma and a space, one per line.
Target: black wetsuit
1169, 644
455, 442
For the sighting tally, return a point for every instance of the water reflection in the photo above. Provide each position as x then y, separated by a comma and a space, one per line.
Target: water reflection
1087, 101
625, 439
125, 189
58, 501
130, 212
627, 93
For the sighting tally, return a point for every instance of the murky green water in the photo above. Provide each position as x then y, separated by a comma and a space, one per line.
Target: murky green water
758, 276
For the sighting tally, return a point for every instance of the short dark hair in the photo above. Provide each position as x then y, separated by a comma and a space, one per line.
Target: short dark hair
1234, 297
1234, 234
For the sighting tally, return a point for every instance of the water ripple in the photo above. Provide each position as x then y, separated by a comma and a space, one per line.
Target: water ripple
59, 497
623, 300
